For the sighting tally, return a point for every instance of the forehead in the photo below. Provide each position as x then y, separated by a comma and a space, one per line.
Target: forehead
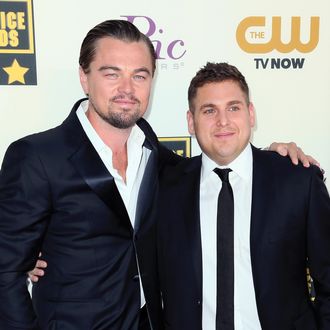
223, 91
111, 51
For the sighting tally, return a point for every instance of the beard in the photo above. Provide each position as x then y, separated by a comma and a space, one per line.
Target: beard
121, 120
124, 117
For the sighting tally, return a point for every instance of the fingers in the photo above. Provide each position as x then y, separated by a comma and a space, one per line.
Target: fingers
303, 158
38, 271
296, 154
33, 278
313, 161
279, 147
41, 264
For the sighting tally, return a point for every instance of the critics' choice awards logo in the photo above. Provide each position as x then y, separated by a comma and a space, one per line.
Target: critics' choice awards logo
256, 35
179, 145
17, 47
170, 51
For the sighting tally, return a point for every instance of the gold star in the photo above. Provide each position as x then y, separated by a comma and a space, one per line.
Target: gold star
16, 72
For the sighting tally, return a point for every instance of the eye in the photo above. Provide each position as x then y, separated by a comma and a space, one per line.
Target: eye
112, 75
139, 77
208, 111
233, 108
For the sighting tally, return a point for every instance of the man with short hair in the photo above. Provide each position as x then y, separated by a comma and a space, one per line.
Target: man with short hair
83, 194
238, 226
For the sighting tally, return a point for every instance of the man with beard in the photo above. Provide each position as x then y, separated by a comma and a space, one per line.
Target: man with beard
71, 193
82, 193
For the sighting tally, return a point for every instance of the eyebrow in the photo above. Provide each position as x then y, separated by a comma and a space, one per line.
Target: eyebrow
234, 102
212, 105
115, 68
207, 105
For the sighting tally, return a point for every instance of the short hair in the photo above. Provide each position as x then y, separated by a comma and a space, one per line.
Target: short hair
216, 72
117, 29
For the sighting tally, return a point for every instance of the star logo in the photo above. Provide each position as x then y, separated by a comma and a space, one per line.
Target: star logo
16, 72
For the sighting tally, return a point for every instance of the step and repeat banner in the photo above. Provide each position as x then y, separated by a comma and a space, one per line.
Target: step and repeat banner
282, 50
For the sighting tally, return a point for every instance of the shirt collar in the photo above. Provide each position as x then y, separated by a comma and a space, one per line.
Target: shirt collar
242, 165
135, 139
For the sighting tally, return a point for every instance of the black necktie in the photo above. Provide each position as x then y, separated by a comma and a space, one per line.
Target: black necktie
225, 254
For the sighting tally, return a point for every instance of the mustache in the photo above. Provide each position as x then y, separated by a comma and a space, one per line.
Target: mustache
125, 97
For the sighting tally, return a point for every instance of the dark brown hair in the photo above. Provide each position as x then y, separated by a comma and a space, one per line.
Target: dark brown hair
117, 29
216, 72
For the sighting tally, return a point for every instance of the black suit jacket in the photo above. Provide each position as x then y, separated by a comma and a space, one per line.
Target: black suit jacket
56, 196
290, 222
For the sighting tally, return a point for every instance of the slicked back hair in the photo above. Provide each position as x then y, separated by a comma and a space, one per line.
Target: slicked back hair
117, 29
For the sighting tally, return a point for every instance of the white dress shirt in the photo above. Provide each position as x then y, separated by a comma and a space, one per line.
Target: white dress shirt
245, 308
138, 157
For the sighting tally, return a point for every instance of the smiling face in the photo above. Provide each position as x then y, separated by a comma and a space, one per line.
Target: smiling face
118, 82
221, 119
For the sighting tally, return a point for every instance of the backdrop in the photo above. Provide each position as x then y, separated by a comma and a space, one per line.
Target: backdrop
282, 50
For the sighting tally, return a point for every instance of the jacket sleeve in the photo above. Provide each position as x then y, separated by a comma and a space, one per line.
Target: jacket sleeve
318, 245
24, 208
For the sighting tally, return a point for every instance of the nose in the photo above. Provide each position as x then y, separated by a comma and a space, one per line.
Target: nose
222, 118
126, 85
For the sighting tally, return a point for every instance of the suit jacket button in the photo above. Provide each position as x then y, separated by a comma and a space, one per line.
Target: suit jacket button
198, 302
136, 278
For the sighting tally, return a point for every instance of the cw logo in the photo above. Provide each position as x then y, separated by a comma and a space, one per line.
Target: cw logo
275, 42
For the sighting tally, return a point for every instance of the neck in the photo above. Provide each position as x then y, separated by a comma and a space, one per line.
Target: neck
115, 138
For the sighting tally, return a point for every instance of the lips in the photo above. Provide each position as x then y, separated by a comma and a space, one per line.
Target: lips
122, 99
224, 134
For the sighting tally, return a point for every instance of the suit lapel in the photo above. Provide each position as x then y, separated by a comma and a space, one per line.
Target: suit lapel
89, 165
95, 174
257, 202
190, 182
259, 223
261, 199
149, 181
147, 188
